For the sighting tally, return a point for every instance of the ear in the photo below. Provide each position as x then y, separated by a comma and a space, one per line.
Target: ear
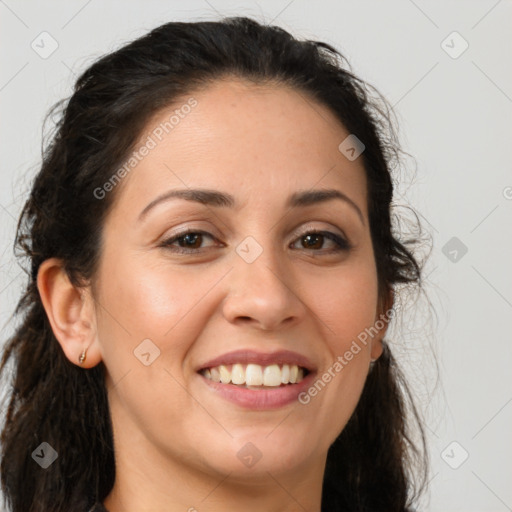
382, 319
71, 313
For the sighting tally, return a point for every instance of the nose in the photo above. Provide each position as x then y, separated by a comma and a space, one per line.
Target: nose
263, 293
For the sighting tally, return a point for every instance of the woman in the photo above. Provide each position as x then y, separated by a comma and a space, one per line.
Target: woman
213, 268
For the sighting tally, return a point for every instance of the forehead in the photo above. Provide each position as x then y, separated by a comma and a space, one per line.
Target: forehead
234, 134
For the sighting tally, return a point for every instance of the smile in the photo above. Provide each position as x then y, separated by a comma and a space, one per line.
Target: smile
255, 376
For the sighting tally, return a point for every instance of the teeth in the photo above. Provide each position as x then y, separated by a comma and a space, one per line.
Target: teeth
225, 374
272, 375
285, 374
255, 375
214, 374
238, 374
294, 372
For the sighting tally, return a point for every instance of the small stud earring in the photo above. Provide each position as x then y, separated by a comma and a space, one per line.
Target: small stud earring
82, 357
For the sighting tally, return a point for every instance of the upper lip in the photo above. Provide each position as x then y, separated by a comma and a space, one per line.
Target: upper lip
262, 358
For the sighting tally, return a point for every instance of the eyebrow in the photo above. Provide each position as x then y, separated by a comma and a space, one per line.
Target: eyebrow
222, 199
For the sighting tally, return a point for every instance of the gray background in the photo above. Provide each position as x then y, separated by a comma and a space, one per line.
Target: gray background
455, 115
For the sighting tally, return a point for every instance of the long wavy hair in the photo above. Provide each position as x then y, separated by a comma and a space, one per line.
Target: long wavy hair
377, 463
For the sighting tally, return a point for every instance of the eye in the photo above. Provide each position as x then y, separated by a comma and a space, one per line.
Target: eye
314, 240
190, 242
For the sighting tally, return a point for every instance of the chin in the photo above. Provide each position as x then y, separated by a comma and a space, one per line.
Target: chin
259, 451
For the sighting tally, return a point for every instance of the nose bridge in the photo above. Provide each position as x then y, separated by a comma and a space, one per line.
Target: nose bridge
260, 289
261, 264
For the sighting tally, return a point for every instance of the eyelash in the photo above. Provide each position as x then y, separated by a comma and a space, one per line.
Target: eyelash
342, 244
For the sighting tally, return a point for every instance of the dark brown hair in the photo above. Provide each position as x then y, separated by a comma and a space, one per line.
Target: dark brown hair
370, 466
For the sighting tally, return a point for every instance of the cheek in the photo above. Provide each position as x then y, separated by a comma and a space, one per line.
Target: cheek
345, 302
345, 309
141, 302
152, 301
147, 299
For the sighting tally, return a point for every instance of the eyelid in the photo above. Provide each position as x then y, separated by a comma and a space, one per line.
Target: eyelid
306, 228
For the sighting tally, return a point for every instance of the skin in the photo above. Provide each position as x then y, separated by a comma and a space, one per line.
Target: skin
176, 441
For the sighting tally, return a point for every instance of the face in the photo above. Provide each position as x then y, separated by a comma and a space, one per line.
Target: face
275, 281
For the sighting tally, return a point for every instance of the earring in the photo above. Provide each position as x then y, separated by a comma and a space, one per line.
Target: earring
82, 357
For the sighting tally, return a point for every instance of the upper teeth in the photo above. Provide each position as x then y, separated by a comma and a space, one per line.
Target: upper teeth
255, 375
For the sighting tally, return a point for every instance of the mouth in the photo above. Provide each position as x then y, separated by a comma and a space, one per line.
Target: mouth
255, 376
257, 381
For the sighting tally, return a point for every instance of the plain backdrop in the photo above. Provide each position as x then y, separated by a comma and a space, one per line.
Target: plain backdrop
446, 67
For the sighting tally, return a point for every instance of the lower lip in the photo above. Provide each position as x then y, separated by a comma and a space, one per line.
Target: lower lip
271, 398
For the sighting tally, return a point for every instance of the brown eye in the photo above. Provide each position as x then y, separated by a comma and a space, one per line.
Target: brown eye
314, 240
188, 242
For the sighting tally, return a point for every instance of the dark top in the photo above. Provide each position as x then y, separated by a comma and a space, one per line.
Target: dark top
98, 507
